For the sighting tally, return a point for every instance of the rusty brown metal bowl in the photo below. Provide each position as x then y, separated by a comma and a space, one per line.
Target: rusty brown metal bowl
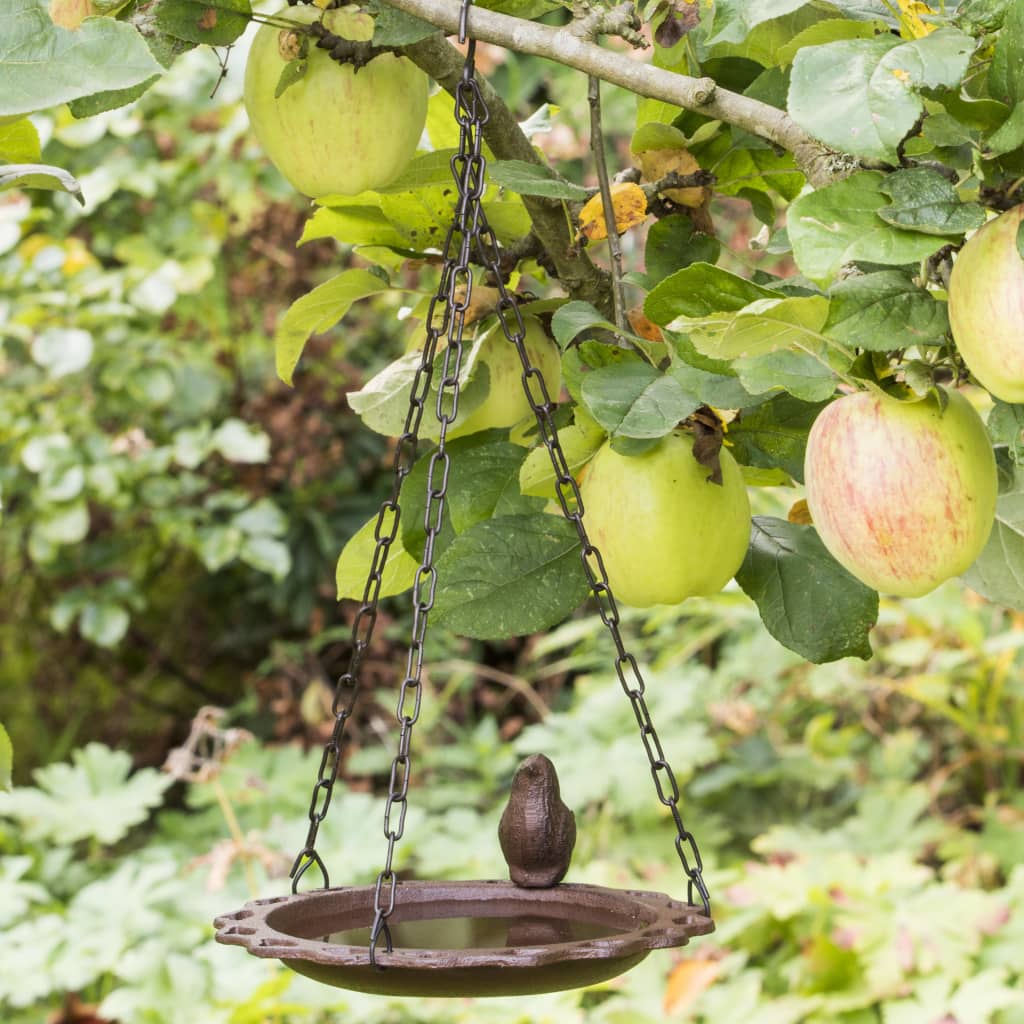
463, 939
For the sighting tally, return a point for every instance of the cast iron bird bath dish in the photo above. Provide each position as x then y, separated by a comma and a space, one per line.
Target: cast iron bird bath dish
474, 938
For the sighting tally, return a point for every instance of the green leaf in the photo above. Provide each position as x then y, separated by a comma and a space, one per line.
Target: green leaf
806, 599
1006, 75
318, 311
510, 577
636, 400
998, 572
533, 180
699, 290
42, 65
580, 442
923, 200
802, 374
19, 142
712, 381
109, 99
294, 71
483, 483
884, 311
383, 401
214, 22
1006, 426
655, 135
1010, 134
862, 96
735, 19
673, 244
839, 224
6, 759
396, 28
828, 31
51, 179
359, 221
434, 168
774, 434
357, 557
107, 798
765, 325
104, 624
239, 441
573, 318
266, 554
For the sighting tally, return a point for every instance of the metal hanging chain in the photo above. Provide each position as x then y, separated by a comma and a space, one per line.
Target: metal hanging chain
446, 315
453, 298
567, 491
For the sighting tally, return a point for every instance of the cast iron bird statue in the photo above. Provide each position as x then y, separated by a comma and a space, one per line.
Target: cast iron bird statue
537, 831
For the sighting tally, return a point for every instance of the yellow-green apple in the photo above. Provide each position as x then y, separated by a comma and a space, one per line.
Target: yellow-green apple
664, 530
986, 306
902, 493
335, 130
506, 402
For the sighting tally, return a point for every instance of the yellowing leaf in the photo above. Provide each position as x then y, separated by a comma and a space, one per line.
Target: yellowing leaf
70, 14
687, 981
656, 163
800, 513
912, 24
629, 203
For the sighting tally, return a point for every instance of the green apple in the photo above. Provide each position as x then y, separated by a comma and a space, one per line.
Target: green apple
506, 402
335, 130
986, 306
664, 530
902, 493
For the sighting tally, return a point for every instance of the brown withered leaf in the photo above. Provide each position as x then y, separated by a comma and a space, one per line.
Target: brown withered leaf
482, 303
643, 327
687, 981
289, 43
629, 203
707, 441
76, 1012
208, 19
800, 513
683, 17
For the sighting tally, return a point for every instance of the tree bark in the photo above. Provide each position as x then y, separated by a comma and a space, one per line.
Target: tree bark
573, 49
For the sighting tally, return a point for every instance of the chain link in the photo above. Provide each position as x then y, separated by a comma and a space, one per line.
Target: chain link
446, 318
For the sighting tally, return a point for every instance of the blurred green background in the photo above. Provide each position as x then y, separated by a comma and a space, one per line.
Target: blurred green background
171, 517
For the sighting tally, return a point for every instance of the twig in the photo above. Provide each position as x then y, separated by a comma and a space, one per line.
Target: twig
601, 163
514, 683
565, 46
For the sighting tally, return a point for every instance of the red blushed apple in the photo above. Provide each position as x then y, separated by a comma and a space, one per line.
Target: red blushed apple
986, 306
902, 493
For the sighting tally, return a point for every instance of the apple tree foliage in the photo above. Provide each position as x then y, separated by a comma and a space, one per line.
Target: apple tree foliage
919, 111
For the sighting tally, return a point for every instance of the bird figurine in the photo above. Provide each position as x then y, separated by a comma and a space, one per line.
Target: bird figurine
537, 831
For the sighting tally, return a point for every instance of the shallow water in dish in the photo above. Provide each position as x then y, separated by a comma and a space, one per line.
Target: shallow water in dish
499, 932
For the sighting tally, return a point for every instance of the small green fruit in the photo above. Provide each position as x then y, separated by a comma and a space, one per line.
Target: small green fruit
506, 402
335, 130
665, 532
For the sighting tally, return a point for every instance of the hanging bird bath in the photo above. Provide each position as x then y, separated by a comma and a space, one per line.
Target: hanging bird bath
472, 938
